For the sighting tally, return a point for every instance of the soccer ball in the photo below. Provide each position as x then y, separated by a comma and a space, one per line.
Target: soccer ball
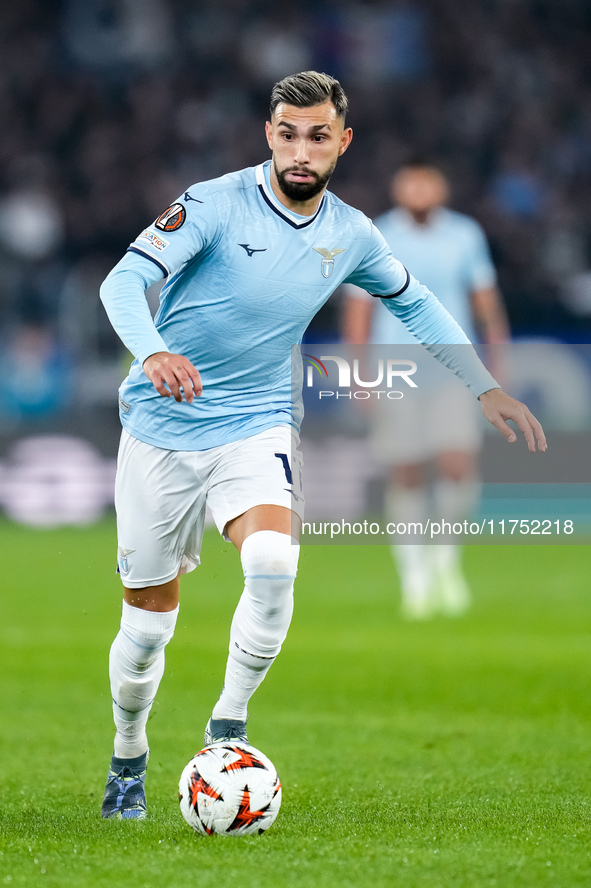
230, 789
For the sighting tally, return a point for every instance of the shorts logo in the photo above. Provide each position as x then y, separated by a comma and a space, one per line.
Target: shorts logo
172, 218
154, 239
122, 560
327, 266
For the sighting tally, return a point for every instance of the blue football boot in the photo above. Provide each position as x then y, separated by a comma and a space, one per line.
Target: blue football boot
220, 730
125, 796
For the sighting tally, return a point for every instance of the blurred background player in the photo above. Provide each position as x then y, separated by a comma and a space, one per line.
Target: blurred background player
432, 460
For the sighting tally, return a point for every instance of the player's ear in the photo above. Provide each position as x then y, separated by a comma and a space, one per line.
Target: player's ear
269, 133
394, 188
445, 191
346, 137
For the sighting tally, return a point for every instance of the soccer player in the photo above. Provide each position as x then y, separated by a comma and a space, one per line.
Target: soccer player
432, 463
206, 410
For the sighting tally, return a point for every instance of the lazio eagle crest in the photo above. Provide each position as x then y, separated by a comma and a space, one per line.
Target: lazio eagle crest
327, 260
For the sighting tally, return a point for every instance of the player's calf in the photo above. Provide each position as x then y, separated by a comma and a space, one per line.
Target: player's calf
262, 618
136, 666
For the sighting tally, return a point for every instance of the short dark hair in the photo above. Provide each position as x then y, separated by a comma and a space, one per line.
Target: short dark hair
309, 88
420, 162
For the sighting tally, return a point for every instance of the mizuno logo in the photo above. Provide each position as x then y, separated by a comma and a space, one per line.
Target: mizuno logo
188, 197
250, 250
327, 259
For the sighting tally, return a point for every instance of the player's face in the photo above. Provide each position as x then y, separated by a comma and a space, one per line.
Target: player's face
306, 143
420, 191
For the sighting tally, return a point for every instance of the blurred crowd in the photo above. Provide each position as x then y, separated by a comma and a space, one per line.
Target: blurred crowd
110, 108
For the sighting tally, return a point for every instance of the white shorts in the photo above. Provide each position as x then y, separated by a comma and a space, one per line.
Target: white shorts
161, 495
426, 423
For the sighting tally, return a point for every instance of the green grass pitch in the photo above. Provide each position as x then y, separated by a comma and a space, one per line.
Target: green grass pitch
446, 754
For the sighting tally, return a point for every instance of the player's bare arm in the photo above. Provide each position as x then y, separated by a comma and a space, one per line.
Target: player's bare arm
490, 315
356, 319
173, 375
498, 406
491, 320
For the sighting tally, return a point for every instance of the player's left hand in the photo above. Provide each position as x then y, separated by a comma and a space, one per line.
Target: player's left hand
498, 406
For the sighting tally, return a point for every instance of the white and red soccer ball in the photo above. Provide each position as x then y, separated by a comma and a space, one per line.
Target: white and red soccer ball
230, 789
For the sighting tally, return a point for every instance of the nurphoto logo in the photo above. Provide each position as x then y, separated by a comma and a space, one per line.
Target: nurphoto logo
389, 372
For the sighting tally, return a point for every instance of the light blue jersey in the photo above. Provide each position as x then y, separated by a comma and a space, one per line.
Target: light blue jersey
244, 278
449, 255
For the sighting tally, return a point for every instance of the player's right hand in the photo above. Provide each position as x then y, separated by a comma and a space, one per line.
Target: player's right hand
173, 375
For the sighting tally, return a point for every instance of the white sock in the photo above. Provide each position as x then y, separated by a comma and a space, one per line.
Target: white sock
414, 569
455, 500
261, 620
410, 505
446, 557
136, 666
407, 504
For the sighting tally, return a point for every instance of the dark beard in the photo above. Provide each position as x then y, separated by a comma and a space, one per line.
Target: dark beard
302, 191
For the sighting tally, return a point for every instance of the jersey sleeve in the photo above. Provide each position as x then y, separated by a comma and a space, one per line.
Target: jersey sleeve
426, 318
441, 335
177, 236
123, 294
181, 232
379, 272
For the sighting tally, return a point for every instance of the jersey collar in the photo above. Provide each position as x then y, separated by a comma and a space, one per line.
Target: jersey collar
268, 195
436, 219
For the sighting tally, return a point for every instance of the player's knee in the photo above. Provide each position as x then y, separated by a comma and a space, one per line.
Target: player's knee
270, 554
269, 560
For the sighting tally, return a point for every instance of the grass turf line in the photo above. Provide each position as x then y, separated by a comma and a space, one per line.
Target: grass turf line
446, 754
